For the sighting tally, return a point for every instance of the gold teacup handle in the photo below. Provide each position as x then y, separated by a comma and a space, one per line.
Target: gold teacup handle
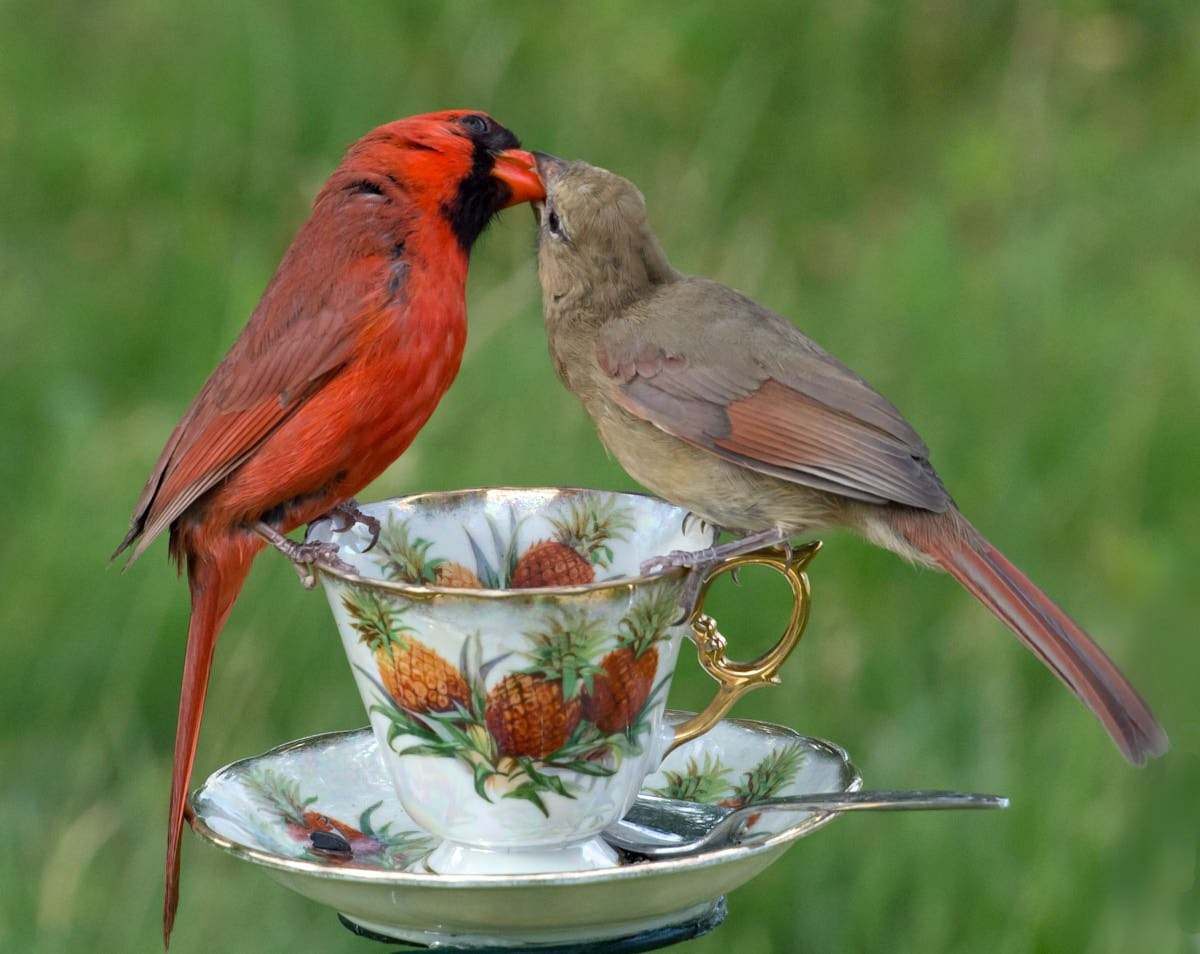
735, 679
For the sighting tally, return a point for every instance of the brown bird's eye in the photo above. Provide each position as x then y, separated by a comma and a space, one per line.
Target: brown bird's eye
553, 224
476, 124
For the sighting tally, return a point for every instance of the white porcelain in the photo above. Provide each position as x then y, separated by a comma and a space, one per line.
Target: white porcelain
516, 723
266, 809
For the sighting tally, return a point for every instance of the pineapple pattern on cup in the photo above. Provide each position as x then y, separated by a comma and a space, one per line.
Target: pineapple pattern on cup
528, 733
534, 711
365, 844
415, 676
582, 532
618, 692
406, 559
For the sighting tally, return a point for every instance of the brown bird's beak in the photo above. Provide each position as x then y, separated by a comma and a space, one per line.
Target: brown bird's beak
517, 169
549, 167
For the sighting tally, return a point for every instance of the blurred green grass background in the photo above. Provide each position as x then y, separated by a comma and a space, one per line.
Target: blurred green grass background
992, 210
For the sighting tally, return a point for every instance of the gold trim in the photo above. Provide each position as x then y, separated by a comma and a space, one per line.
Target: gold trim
735, 679
415, 592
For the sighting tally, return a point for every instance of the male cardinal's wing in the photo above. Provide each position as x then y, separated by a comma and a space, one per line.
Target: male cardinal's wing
711, 367
300, 335
258, 386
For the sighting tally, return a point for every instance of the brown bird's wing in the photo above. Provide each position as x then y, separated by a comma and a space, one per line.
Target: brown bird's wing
713, 368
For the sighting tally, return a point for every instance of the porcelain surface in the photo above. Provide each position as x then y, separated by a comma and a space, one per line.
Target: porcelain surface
321, 815
527, 717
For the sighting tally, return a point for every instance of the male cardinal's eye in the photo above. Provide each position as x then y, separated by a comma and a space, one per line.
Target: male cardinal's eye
552, 222
477, 124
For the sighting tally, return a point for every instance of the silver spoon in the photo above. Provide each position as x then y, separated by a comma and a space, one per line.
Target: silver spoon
658, 827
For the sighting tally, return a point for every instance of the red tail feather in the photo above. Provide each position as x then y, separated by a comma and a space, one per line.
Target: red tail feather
215, 583
1050, 633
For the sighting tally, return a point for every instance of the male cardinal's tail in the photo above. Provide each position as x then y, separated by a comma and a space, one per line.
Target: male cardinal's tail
215, 580
1050, 633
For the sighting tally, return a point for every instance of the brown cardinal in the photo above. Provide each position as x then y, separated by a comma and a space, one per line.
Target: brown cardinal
725, 408
354, 342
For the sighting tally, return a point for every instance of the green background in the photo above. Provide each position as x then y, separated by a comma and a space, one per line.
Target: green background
992, 210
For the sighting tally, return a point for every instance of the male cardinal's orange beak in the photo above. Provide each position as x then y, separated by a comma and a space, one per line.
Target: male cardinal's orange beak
517, 169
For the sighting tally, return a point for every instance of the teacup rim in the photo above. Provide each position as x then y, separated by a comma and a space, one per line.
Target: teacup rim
423, 592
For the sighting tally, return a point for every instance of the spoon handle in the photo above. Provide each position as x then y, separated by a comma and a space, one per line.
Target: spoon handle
884, 801
881, 801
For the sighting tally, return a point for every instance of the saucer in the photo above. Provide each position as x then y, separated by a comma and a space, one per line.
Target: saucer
321, 816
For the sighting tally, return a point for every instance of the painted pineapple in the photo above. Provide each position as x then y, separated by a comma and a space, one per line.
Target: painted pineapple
408, 560
580, 544
621, 688
415, 676
455, 575
534, 711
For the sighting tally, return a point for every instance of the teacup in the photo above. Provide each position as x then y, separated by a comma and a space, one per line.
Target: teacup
515, 664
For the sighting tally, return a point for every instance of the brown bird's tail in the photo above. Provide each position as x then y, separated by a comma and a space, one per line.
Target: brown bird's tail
215, 581
1050, 633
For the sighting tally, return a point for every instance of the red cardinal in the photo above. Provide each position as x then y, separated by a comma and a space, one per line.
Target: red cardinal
354, 342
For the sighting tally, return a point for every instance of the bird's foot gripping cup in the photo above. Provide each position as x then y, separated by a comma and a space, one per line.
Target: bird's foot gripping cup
703, 563
304, 556
346, 514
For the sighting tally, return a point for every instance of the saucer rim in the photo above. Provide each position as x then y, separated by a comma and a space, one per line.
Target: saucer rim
414, 879
417, 591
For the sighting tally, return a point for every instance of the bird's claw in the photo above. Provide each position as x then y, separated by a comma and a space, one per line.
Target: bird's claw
676, 558
697, 562
307, 555
345, 515
689, 596
700, 562
304, 556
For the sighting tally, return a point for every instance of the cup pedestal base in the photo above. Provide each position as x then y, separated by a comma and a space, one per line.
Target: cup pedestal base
451, 858
642, 934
